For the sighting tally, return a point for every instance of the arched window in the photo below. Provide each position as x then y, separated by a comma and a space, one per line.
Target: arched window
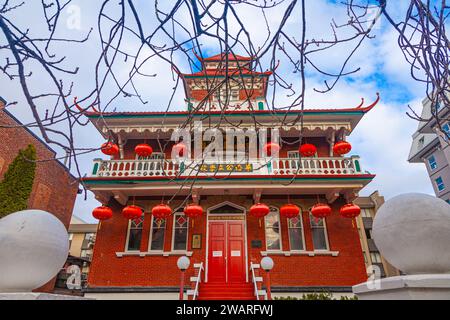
157, 234
296, 235
319, 233
180, 231
134, 234
273, 231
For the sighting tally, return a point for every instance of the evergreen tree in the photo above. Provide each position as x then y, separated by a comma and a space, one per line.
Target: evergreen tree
15, 189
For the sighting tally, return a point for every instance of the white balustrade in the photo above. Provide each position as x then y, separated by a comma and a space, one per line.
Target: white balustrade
279, 167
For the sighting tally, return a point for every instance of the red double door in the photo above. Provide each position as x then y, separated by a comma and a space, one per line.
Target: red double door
226, 252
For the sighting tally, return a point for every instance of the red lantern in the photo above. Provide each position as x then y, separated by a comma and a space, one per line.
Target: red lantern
342, 147
271, 148
110, 148
289, 211
179, 149
307, 150
321, 210
132, 212
143, 150
350, 210
102, 213
259, 210
161, 211
193, 211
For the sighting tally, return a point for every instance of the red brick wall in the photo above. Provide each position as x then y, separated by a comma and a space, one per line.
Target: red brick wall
344, 270
54, 189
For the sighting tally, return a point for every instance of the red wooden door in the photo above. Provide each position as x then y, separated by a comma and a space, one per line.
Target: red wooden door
226, 256
236, 251
217, 252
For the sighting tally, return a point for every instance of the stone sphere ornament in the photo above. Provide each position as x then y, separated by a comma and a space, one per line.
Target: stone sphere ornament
412, 231
34, 246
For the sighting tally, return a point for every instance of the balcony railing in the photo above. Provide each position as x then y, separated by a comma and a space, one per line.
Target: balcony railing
280, 167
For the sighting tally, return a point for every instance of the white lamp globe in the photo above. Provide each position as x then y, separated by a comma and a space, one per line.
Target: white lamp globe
34, 246
267, 263
183, 263
412, 231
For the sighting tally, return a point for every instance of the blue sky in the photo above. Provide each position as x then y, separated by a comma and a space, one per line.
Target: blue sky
382, 138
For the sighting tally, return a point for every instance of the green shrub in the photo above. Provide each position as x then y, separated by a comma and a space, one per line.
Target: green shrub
317, 296
15, 189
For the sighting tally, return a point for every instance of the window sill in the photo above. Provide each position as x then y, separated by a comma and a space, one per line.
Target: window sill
154, 253
300, 253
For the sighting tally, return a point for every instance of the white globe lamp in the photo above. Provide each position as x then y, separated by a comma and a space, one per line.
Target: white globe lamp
183, 263
267, 263
34, 246
412, 232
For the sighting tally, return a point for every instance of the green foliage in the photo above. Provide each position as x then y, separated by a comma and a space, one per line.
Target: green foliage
15, 189
317, 296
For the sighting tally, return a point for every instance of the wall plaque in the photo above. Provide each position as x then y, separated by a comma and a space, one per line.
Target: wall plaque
196, 241
256, 244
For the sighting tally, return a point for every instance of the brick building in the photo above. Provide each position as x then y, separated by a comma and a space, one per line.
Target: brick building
137, 258
54, 188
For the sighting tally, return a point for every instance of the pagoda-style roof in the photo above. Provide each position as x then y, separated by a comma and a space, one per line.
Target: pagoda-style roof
224, 57
359, 110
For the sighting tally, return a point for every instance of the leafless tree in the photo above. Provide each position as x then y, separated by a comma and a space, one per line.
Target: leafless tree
182, 27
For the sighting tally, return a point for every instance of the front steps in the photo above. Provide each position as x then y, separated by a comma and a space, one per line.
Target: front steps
226, 291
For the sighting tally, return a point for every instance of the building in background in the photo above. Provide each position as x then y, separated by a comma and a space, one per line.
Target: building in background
82, 239
431, 147
372, 257
54, 188
137, 258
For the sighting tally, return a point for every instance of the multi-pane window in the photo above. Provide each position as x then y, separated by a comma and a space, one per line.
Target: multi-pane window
135, 234
365, 213
446, 129
272, 228
319, 235
180, 231
157, 234
295, 162
153, 156
440, 184
375, 257
295, 230
432, 162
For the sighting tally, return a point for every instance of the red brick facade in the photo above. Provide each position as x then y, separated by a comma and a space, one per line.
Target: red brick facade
345, 269
54, 189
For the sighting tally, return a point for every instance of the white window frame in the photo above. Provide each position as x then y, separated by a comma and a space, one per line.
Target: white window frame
430, 163
446, 130
128, 234
280, 232
442, 183
366, 213
149, 249
300, 216
174, 218
325, 230
376, 254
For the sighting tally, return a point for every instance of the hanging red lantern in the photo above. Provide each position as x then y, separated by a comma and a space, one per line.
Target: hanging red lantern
193, 211
307, 150
259, 210
110, 148
271, 148
161, 211
143, 150
132, 212
342, 147
350, 210
179, 149
289, 211
102, 213
321, 210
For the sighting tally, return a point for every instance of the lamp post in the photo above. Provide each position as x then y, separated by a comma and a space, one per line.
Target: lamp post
267, 264
182, 264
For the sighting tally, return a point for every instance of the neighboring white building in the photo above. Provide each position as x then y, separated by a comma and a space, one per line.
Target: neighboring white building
432, 146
